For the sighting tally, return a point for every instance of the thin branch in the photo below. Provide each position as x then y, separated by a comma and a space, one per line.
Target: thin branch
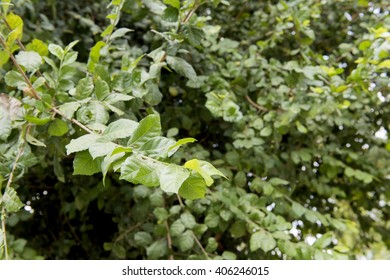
123, 234
191, 12
200, 246
4, 232
169, 240
180, 201
254, 104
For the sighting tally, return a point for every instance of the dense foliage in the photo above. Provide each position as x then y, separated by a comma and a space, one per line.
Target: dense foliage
167, 129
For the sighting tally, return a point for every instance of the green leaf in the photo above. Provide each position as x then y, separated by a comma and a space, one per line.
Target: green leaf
143, 238
188, 220
173, 3
161, 214
227, 255
84, 164
157, 147
69, 58
238, 229
172, 149
36, 120
15, 23
205, 169
186, 241
84, 88
120, 32
262, 240
58, 128
117, 97
158, 249
38, 46
69, 108
33, 141
298, 209
94, 55
119, 251
101, 147
288, 248
29, 59
240, 179
193, 188
172, 178
171, 14
324, 241
181, 66
177, 228
266, 131
11, 201
82, 143
148, 128
384, 64
121, 128
102, 90
56, 50
193, 34
277, 181
15, 79
212, 220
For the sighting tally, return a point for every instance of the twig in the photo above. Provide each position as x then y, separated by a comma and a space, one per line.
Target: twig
180, 201
169, 240
72, 230
200, 245
191, 12
3, 213
123, 234
22, 47
254, 104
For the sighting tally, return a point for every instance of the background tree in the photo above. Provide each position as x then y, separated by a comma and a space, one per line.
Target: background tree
288, 99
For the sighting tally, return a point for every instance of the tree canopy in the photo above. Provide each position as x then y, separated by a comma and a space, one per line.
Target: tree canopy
167, 129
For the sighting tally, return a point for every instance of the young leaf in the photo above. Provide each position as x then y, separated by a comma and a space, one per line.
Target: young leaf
120, 32
56, 50
172, 149
84, 164
181, 66
38, 46
205, 169
173, 3
193, 35
148, 128
84, 88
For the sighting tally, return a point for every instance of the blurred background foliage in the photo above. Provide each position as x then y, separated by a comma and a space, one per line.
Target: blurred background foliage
290, 101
